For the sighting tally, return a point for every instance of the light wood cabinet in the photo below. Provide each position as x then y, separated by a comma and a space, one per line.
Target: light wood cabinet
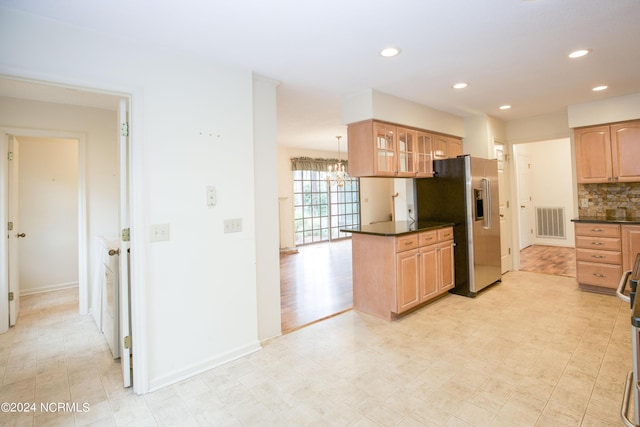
388, 150
630, 245
446, 147
625, 151
446, 264
608, 153
598, 255
392, 275
424, 156
407, 152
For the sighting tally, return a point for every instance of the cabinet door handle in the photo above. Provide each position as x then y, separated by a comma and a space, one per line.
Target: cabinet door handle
597, 256
597, 243
599, 275
597, 230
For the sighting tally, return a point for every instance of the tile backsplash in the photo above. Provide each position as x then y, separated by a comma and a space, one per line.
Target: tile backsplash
623, 195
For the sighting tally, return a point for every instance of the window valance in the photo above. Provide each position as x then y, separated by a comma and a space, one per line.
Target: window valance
311, 164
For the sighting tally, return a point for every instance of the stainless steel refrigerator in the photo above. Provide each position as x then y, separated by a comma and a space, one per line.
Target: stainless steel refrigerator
464, 191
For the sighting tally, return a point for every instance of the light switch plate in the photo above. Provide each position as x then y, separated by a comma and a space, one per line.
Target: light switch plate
584, 203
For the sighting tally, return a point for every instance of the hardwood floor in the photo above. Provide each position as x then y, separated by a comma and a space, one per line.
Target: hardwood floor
555, 260
315, 283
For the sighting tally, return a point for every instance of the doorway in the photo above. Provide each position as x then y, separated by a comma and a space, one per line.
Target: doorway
545, 183
48, 181
99, 170
48, 214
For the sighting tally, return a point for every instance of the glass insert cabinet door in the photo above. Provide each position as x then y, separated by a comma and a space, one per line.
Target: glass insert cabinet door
385, 139
424, 163
407, 145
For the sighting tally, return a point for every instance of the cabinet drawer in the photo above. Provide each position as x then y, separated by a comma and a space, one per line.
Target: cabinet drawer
406, 242
604, 275
598, 243
428, 238
445, 234
598, 230
607, 257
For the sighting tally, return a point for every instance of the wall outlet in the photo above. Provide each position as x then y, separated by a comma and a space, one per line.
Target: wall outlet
159, 232
212, 198
584, 203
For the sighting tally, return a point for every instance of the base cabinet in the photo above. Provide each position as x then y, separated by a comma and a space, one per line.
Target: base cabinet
392, 275
630, 245
598, 255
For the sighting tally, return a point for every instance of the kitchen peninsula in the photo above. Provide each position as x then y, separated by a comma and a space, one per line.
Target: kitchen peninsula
399, 266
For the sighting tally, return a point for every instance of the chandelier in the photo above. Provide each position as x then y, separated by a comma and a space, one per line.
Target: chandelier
337, 173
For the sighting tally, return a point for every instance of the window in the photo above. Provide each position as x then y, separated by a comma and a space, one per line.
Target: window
322, 208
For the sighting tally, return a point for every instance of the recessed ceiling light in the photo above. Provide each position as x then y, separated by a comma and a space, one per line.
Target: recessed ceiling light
460, 85
599, 88
388, 52
505, 107
579, 53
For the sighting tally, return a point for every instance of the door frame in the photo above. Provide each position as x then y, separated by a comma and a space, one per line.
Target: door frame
506, 167
83, 252
136, 220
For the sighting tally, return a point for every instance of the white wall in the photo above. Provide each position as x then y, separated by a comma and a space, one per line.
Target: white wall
267, 229
100, 129
476, 137
539, 128
372, 104
375, 199
196, 293
608, 110
48, 214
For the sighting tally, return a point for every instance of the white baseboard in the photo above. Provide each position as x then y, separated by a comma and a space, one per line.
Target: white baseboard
198, 368
50, 288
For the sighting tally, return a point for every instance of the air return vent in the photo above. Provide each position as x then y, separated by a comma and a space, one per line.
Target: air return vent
550, 223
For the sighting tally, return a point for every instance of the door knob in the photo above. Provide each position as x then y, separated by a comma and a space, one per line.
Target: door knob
21, 235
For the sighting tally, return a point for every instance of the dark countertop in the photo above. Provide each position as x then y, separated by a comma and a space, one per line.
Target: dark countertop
604, 220
396, 228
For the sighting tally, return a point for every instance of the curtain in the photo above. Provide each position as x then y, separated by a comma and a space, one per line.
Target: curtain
310, 164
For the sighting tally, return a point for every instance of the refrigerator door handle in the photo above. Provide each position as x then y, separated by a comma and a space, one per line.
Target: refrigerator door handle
486, 206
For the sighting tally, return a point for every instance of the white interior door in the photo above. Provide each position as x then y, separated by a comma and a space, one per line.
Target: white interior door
126, 342
525, 200
14, 230
506, 255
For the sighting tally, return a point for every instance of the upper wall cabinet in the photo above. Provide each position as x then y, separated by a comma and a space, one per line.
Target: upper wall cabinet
608, 153
446, 147
385, 149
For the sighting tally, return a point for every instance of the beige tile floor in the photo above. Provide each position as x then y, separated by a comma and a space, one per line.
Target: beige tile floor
531, 351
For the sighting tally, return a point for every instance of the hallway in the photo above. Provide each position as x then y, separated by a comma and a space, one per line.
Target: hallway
54, 355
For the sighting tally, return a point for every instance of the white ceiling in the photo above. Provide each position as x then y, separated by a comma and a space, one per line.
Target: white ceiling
509, 51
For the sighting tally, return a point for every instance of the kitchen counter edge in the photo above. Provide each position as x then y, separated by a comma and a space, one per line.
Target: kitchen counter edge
601, 220
397, 228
